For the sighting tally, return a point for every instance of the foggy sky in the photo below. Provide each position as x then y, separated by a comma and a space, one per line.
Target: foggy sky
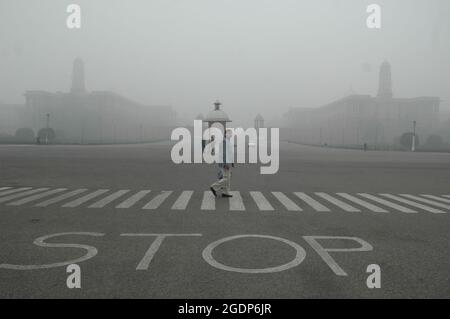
256, 56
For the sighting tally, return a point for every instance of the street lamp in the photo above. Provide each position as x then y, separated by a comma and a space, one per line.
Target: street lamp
320, 137
48, 126
376, 135
413, 146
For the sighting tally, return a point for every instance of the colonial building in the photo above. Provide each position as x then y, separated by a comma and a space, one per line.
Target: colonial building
94, 117
11, 115
359, 119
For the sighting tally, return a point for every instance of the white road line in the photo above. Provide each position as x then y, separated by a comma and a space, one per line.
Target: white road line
236, 202
363, 203
133, 199
183, 200
35, 197
312, 202
15, 190
61, 197
157, 200
426, 201
287, 202
437, 198
108, 199
414, 204
387, 203
85, 198
209, 201
14, 196
337, 202
261, 201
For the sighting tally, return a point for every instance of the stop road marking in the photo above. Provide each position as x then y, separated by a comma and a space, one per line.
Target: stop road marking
207, 252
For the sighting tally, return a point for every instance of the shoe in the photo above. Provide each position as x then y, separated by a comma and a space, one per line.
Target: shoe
213, 191
227, 195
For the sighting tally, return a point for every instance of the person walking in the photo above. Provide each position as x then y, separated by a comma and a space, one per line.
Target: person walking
226, 153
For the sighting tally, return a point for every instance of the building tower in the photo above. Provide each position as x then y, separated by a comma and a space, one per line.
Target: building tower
217, 118
385, 81
78, 77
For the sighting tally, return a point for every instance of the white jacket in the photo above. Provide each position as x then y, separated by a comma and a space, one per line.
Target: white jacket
228, 157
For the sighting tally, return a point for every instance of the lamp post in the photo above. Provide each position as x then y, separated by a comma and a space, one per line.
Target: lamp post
413, 146
320, 142
48, 127
376, 135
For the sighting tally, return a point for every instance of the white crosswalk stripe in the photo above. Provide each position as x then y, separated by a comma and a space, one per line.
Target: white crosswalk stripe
15, 190
414, 204
14, 196
363, 203
77, 202
437, 198
129, 202
312, 202
387, 203
157, 200
60, 198
338, 203
426, 201
286, 201
183, 200
236, 202
208, 201
36, 197
262, 203
108, 199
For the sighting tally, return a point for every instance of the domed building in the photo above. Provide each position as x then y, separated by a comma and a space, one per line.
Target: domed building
217, 115
217, 118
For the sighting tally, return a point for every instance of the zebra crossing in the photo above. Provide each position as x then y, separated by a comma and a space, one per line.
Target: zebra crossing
276, 201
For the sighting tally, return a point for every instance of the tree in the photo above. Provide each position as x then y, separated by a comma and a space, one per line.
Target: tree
406, 139
46, 133
24, 134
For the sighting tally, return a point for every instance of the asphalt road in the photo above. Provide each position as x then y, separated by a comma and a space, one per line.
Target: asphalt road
410, 242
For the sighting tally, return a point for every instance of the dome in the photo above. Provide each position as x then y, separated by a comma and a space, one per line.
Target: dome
259, 118
217, 115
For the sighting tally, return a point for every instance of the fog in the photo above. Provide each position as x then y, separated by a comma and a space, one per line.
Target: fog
255, 56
